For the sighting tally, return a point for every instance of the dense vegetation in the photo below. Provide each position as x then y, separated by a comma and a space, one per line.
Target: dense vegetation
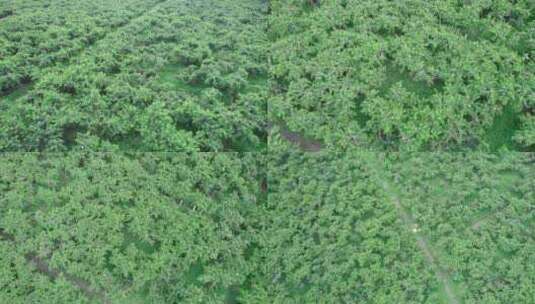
291, 227
180, 76
401, 228
158, 151
333, 237
54, 32
405, 75
139, 228
478, 211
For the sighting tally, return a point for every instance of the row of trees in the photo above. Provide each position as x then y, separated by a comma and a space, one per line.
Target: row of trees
119, 228
478, 212
416, 75
112, 96
32, 40
422, 75
290, 227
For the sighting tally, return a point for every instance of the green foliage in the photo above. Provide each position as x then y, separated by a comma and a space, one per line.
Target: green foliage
332, 236
172, 228
116, 87
127, 114
333, 231
409, 75
53, 33
477, 211
290, 227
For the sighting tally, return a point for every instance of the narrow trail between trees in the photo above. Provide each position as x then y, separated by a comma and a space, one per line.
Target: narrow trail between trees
42, 266
296, 138
407, 219
422, 243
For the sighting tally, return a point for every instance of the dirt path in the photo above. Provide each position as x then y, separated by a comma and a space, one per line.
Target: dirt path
296, 138
423, 245
406, 217
42, 266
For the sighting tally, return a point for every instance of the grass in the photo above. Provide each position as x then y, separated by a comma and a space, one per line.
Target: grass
136, 298
170, 75
420, 88
501, 132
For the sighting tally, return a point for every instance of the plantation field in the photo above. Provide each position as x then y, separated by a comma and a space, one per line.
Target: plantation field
290, 227
179, 75
478, 213
138, 75
360, 227
267, 151
127, 228
412, 75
